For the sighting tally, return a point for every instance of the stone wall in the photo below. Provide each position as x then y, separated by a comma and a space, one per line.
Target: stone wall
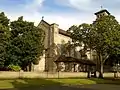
47, 75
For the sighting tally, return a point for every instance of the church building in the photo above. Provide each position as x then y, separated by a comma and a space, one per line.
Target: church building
72, 60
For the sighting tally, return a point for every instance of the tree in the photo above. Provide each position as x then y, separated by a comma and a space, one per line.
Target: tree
103, 36
106, 39
4, 37
26, 45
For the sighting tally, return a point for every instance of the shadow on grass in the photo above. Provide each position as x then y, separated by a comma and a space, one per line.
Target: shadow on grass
112, 81
107, 80
41, 84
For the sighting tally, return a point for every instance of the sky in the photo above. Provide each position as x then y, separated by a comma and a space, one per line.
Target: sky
63, 12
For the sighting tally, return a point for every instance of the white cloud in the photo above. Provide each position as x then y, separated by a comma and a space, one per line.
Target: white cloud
34, 5
65, 20
88, 7
91, 5
85, 5
29, 11
81, 4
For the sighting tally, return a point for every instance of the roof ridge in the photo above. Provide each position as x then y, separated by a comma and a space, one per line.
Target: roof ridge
45, 22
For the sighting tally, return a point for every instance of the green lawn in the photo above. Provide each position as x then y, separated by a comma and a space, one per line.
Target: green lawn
20, 83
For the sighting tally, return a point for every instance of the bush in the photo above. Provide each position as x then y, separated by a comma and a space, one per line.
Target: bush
14, 67
36, 62
5, 69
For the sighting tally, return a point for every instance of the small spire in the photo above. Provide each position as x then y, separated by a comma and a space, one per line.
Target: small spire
42, 17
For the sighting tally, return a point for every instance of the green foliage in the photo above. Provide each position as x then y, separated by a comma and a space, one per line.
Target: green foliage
106, 32
103, 36
4, 37
14, 67
3, 19
21, 43
26, 44
36, 62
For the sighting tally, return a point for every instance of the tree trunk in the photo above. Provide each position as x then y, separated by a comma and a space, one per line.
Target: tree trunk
30, 66
88, 74
101, 67
101, 71
115, 74
24, 68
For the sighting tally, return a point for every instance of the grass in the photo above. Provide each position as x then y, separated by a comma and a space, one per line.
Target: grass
20, 83
74, 81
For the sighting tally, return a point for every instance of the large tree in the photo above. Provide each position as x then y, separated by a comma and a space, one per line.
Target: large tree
103, 36
4, 37
26, 45
106, 38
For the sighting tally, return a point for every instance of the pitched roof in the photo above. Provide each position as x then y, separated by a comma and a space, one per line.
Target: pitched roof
45, 22
103, 10
61, 31
72, 59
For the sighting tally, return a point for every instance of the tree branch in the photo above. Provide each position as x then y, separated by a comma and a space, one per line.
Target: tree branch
106, 56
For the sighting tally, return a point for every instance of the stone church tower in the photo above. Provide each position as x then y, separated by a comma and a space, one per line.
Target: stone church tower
102, 13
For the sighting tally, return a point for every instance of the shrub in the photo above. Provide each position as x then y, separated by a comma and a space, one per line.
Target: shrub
36, 62
14, 67
5, 69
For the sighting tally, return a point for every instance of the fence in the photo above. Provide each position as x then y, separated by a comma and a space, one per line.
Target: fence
47, 74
